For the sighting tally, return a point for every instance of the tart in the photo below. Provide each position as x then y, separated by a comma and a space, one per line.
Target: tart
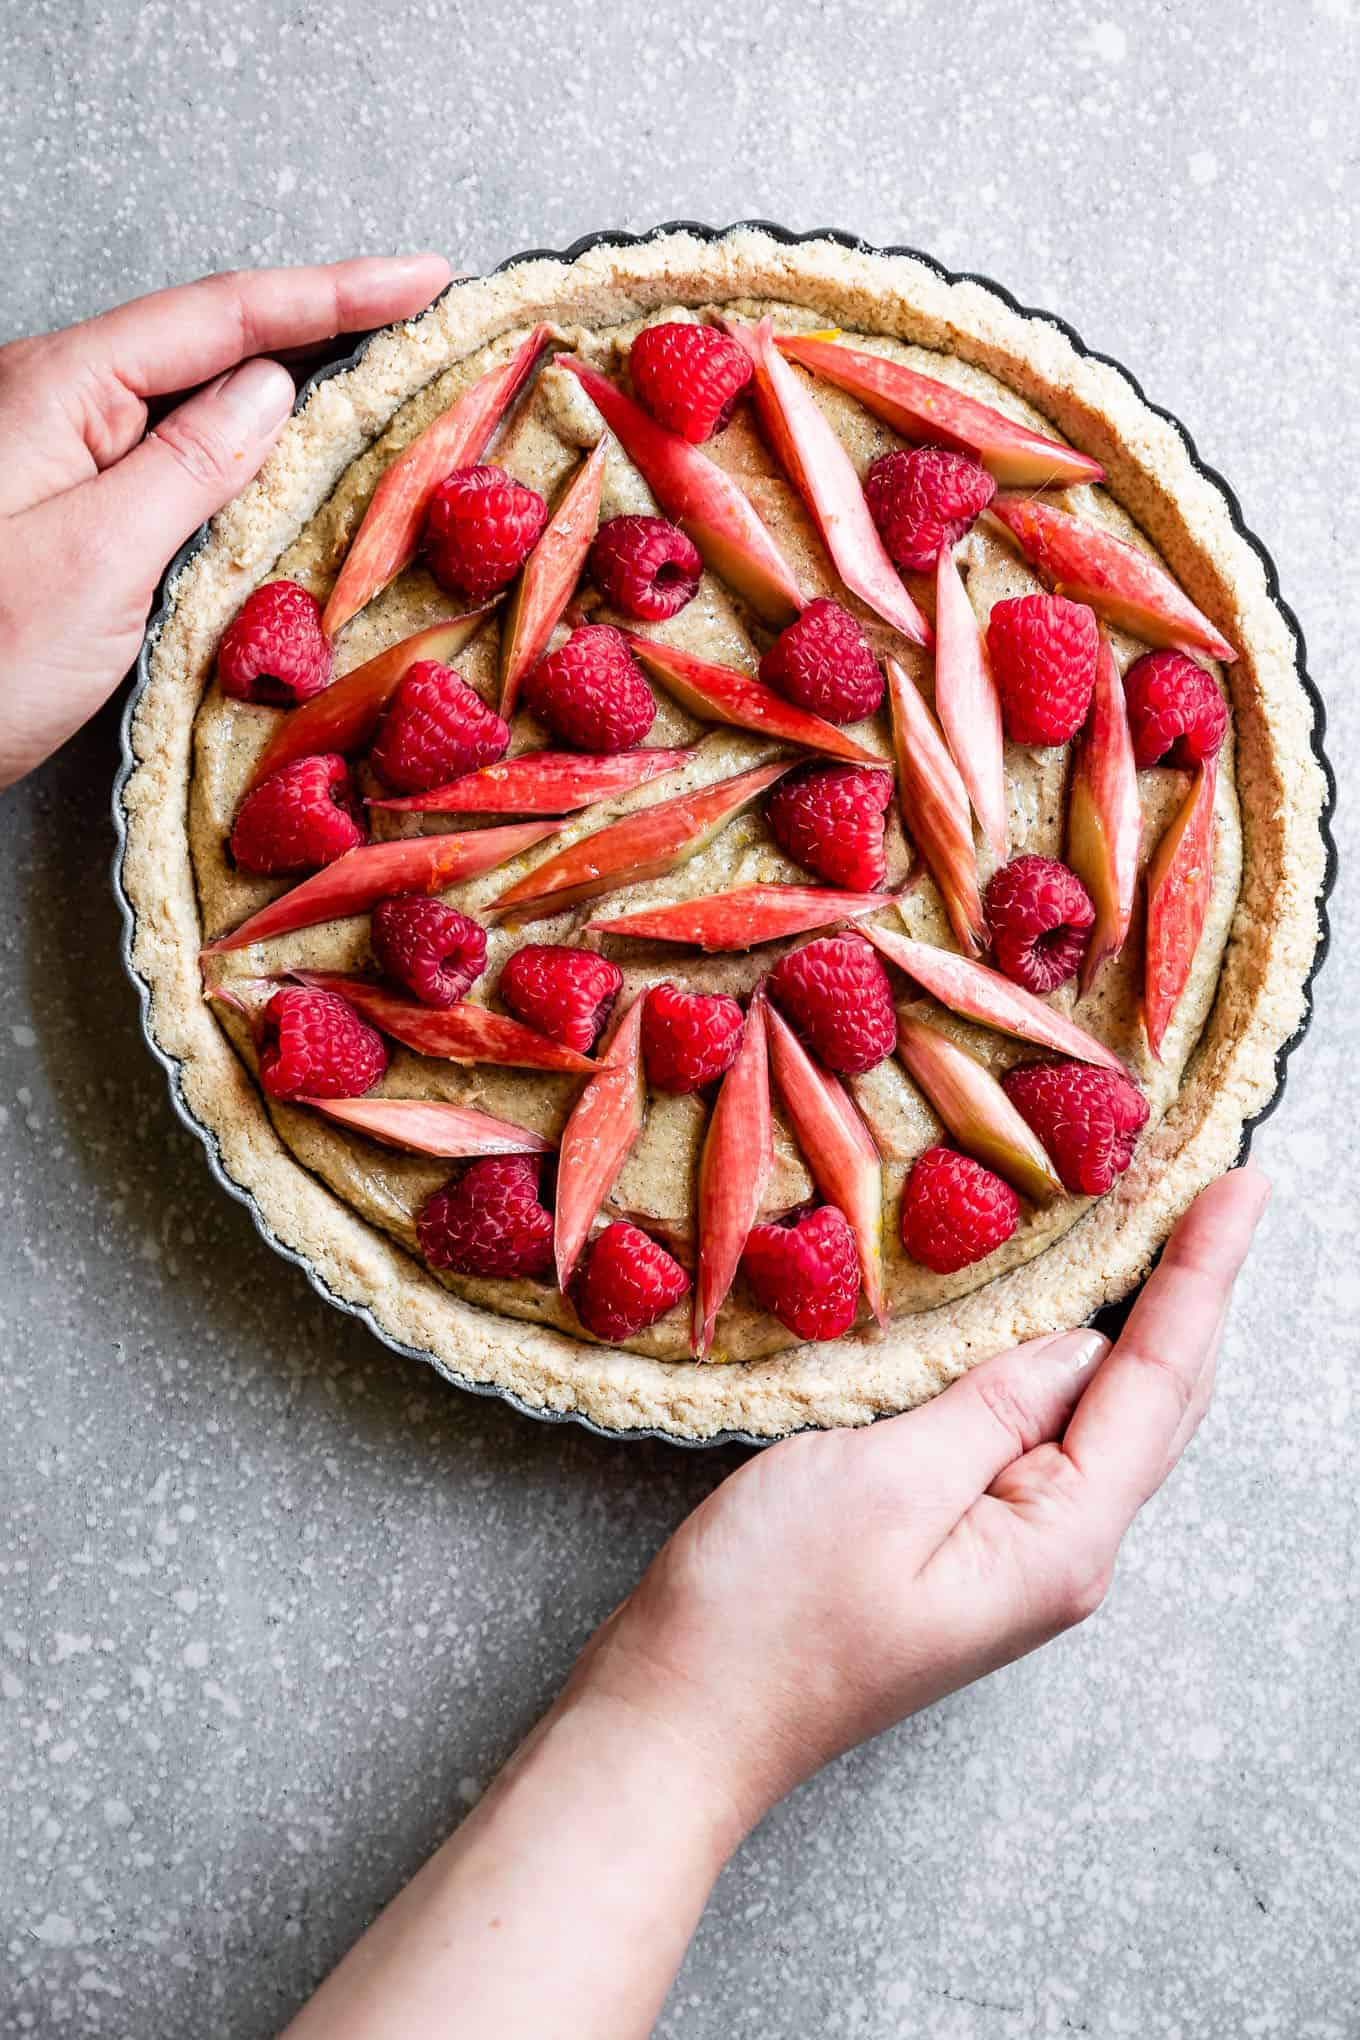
711, 884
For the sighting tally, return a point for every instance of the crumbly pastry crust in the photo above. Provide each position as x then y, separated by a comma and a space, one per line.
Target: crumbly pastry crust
1260, 997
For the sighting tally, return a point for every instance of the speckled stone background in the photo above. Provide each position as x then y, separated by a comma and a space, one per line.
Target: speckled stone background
273, 1604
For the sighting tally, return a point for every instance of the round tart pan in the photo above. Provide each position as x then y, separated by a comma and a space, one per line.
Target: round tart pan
1113, 1314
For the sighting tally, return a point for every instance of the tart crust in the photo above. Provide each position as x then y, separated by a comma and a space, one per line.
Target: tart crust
1260, 999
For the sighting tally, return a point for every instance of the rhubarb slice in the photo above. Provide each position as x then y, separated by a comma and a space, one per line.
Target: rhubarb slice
638, 847
426, 1126
362, 877
387, 539
980, 994
735, 1165
921, 408
974, 1108
935, 808
967, 703
837, 1147
722, 694
823, 474
548, 580
465, 1033
1180, 883
1119, 581
598, 1138
698, 496
542, 783
746, 915
1104, 817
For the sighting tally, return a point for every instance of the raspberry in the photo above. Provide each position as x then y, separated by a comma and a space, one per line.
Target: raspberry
301, 817
1088, 1119
627, 1282
954, 1211
689, 1038
312, 1044
689, 377
1176, 714
829, 819
430, 949
1043, 651
806, 1275
825, 663
489, 1220
480, 527
591, 693
274, 648
836, 995
1040, 916
566, 994
435, 729
645, 567
924, 500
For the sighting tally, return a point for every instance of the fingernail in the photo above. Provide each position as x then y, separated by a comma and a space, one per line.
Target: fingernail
1076, 1354
1255, 1176
259, 394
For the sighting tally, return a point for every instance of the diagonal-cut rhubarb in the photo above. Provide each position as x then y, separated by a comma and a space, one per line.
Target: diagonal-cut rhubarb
977, 993
465, 1033
1118, 580
837, 1147
542, 783
967, 703
722, 694
1104, 816
823, 474
737, 1158
935, 808
1180, 883
362, 877
598, 1138
344, 715
644, 845
745, 916
696, 494
428, 1126
387, 539
974, 1108
549, 576
921, 408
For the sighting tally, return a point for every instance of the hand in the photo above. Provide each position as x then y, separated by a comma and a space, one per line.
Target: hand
91, 510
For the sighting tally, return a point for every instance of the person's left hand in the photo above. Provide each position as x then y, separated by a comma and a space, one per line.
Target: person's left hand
93, 506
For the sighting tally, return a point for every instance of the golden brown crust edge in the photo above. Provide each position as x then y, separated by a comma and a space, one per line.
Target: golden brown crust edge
1261, 994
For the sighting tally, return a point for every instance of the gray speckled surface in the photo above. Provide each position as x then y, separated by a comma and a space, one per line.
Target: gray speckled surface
273, 1604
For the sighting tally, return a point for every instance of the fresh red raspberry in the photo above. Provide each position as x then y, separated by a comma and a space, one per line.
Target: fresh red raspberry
489, 1220
825, 663
645, 567
1043, 651
1176, 714
954, 1211
806, 1275
591, 692
1040, 916
567, 994
689, 1038
274, 649
480, 527
435, 729
1089, 1120
923, 500
829, 819
312, 1044
627, 1282
301, 817
835, 993
689, 377
430, 949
